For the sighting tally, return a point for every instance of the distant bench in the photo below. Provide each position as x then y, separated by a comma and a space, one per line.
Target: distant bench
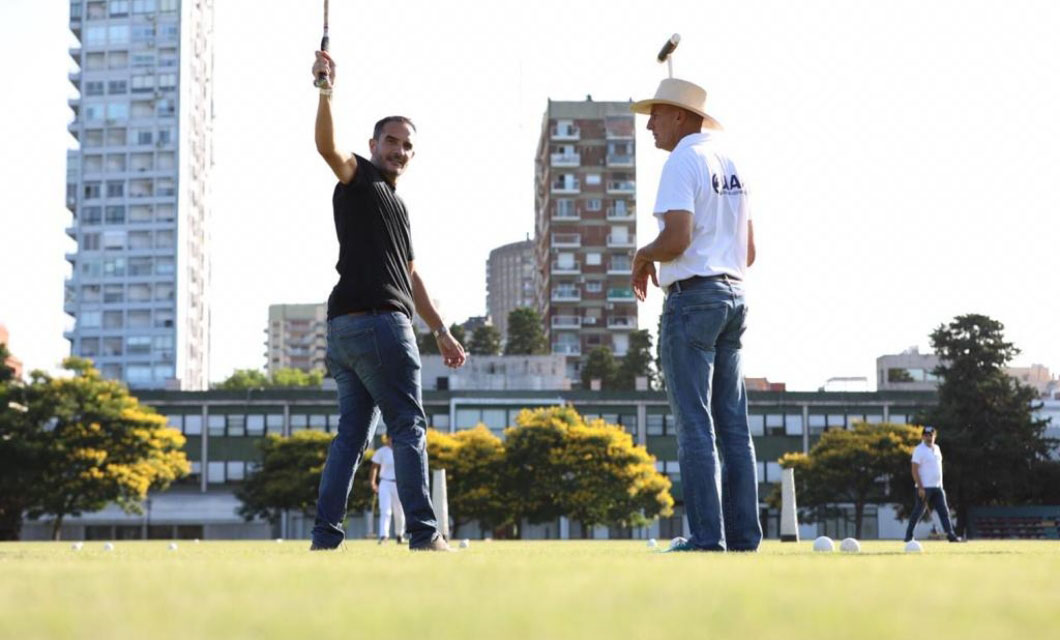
1041, 523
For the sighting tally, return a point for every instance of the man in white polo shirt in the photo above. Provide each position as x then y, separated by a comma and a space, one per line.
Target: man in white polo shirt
704, 246
927, 474
384, 483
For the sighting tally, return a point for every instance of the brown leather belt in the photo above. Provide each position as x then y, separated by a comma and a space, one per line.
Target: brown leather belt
386, 308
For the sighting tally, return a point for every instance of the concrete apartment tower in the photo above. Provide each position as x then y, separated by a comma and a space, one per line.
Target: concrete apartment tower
586, 227
297, 337
510, 272
137, 186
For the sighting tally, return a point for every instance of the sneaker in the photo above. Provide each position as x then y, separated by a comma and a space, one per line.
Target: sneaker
438, 544
957, 539
383, 539
320, 547
400, 540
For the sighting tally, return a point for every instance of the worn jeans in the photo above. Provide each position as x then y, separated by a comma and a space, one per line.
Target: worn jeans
700, 344
376, 365
934, 498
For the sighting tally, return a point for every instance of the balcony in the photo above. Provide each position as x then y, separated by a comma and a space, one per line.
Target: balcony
72, 232
567, 187
566, 133
75, 53
75, 129
75, 104
621, 241
620, 214
624, 323
572, 269
621, 186
617, 268
566, 159
619, 160
566, 322
75, 79
566, 240
567, 349
71, 257
567, 295
620, 294
571, 215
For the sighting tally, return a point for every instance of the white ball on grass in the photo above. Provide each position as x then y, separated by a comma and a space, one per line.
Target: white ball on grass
823, 543
652, 543
108, 547
77, 546
913, 547
279, 540
465, 543
849, 545
172, 546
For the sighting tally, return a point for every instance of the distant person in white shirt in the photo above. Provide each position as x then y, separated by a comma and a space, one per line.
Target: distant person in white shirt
927, 474
384, 483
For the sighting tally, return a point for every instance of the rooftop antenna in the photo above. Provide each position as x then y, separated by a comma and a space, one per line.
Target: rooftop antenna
665, 54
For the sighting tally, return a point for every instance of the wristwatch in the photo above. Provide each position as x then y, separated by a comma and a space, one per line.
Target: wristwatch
440, 331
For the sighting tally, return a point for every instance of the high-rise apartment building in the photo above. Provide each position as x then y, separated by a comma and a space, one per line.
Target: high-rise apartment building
297, 337
510, 272
586, 227
137, 186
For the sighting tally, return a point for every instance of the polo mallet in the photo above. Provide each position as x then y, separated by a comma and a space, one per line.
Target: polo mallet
322, 78
664, 54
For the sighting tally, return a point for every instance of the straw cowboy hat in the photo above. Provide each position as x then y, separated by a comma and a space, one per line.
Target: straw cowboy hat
679, 93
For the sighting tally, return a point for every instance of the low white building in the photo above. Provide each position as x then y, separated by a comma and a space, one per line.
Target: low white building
497, 373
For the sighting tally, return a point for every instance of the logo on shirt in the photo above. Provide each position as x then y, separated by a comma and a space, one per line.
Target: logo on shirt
726, 185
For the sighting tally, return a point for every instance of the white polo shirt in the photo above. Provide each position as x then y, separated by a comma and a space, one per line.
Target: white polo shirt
930, 461
384, 457
699, 176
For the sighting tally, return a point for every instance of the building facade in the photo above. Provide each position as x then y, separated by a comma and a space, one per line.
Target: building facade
297, 337
585, 226
497, 373
12, 362
914, 371
138, 189
223, 429
510, 273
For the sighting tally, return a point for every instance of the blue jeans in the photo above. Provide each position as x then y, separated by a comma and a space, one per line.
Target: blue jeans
934, 498
376, 365
700, 347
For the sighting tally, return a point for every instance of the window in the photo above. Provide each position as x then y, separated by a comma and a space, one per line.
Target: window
118, 34
594, 204
117, 87
139, 345
111, 346
116, 137
143, 83
169, 31
274, 423
594, 286
118, 111
140, 266
163, 318
119, 8
144, 6
118, 59
655, 424
112, 319
163, 291
167, 5
164, 267
139, 240
92, 164
235, 470
91, 268
215, 471
115, 214
95, 36
255, 425
91, 215
793, 424
94, 88
216, 425
138, 318
115, 189
143, 33
138, 373
91, 293
114, 267
167, 81
140, 213
90, 242
756, 423
165, 107
90, 319
299, 421
93, 138
143, 109
592, 178
592, 259
237, 425
115, 162
193, 424
89, 347
93, 112
113, 293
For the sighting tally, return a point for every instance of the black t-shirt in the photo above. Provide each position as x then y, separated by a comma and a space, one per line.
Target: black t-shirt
375, 245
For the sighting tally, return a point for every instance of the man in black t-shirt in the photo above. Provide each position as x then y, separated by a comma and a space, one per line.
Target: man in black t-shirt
372, 349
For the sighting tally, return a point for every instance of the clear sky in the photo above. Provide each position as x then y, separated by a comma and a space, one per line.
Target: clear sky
903, 157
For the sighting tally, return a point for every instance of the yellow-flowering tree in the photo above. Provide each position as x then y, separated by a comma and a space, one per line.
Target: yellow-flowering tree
101, 445
473, 460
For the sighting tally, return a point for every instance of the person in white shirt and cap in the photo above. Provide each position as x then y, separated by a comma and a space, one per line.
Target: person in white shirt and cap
927, 474
384, 483
704, 247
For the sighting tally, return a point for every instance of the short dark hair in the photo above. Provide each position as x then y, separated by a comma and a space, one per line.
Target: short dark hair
382, 123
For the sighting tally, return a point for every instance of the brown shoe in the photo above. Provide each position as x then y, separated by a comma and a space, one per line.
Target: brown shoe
438, 544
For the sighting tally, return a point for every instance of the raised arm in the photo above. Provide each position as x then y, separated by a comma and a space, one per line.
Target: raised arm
344, 165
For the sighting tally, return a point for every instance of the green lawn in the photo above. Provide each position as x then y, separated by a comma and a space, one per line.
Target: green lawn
541, 589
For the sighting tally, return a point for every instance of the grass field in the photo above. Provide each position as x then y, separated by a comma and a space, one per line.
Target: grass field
538, 589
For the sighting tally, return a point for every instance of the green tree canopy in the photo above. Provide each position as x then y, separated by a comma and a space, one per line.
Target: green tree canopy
526, 335
473, 460
7, 374
22, 449
242, 379
868, 464
99, 445
636, 363
288, 477
485, 341
600, 365
984, 418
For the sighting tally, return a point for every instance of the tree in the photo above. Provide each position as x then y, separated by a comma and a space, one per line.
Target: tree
473, 460
458, 332
535, 480
611, 481
289, 477
987, 429
636, 363
242, 379
868, 464
600, 365
21, 451
526, 335
485, 341
7, 374
100, 445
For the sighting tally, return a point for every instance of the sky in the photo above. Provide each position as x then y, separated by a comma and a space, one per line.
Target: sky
902, 158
